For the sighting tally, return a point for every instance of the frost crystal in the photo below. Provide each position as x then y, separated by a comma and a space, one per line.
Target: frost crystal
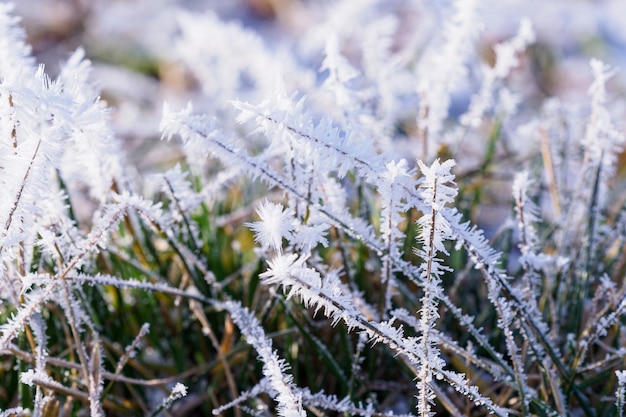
276, 224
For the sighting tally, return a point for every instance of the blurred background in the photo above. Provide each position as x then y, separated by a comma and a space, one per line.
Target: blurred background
132, 42
146, 52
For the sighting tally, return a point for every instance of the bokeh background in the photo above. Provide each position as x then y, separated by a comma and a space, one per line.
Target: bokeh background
132, 42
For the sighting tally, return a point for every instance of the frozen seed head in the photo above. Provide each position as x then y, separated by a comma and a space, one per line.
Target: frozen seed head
179, 391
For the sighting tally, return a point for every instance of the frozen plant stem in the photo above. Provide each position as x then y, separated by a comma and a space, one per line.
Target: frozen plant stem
547, 158
427, 318
18, 197
82, 354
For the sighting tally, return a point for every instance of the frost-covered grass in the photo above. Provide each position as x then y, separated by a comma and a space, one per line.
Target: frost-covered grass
307, 237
